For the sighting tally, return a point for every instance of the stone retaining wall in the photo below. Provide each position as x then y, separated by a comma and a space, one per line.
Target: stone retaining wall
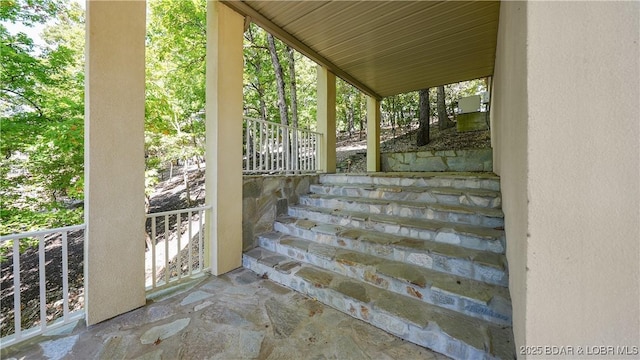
474, 121
445, 160
266, 197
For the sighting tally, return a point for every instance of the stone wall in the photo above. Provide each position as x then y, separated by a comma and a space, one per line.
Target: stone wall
445, 160
474, 121
265, 197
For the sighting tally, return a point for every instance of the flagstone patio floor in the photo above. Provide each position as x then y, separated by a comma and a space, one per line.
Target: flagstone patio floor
235, 316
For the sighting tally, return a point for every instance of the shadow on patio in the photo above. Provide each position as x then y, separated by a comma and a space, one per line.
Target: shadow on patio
235, 316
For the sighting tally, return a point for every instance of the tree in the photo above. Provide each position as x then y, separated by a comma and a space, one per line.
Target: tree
292, 87
425, 112
254, 74
282, 102
175, 85
443, 118
260, 85
294, 105
41, 111
279, 86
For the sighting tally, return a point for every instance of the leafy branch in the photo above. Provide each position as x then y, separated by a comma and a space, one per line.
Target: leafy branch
22, 96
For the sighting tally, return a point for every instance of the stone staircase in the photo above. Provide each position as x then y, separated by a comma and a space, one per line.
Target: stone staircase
419, 255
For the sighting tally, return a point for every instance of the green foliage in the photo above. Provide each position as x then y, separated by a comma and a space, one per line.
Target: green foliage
42, 101
400, 110
175, 99
29, 12
260, 94
347, 106
41, 116
24, 220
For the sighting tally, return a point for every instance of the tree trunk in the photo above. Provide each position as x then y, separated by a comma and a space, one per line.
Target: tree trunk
423, 129
282, 102
292, 88
351, 113
263, 106
185, 176
392, 117
257, 84
294, 107
443, 118
360, 117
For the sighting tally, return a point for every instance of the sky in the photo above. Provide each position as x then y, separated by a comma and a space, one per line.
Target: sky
33, 32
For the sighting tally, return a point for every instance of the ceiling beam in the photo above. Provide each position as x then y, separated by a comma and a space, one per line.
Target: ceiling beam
256, 17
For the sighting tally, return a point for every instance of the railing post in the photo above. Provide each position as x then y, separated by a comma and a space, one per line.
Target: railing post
294, 150
43, 283
17, 312
65, 275
317, 143
190, 234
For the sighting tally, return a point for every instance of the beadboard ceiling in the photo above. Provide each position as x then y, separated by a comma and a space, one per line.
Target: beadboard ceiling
386, 47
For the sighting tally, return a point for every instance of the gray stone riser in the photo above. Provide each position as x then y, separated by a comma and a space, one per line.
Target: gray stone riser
483, 199
417, 210
459, 266
439, 232
449, 333
452, 180
496, 309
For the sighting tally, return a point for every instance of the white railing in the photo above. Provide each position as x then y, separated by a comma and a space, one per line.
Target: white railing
175, 246
49, 302
275, 148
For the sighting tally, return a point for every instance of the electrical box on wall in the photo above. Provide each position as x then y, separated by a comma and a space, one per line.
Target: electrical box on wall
469, 104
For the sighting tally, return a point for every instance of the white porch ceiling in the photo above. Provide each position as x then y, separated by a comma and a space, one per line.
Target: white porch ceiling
386, 47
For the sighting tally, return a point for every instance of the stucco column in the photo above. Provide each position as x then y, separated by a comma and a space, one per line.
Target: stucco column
224, 69
114, 158
373, 134
327, 119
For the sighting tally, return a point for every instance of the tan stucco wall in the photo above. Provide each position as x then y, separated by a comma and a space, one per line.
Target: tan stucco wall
114, 158
509, 137
584, 176
575, 272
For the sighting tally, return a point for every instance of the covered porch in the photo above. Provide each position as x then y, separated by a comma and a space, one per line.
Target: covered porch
114, 134
553, 236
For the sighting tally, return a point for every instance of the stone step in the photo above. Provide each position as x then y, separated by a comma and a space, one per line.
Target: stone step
466, 296
456, 180
409, 209
433, 195
483, 266
450, 333
468, 236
